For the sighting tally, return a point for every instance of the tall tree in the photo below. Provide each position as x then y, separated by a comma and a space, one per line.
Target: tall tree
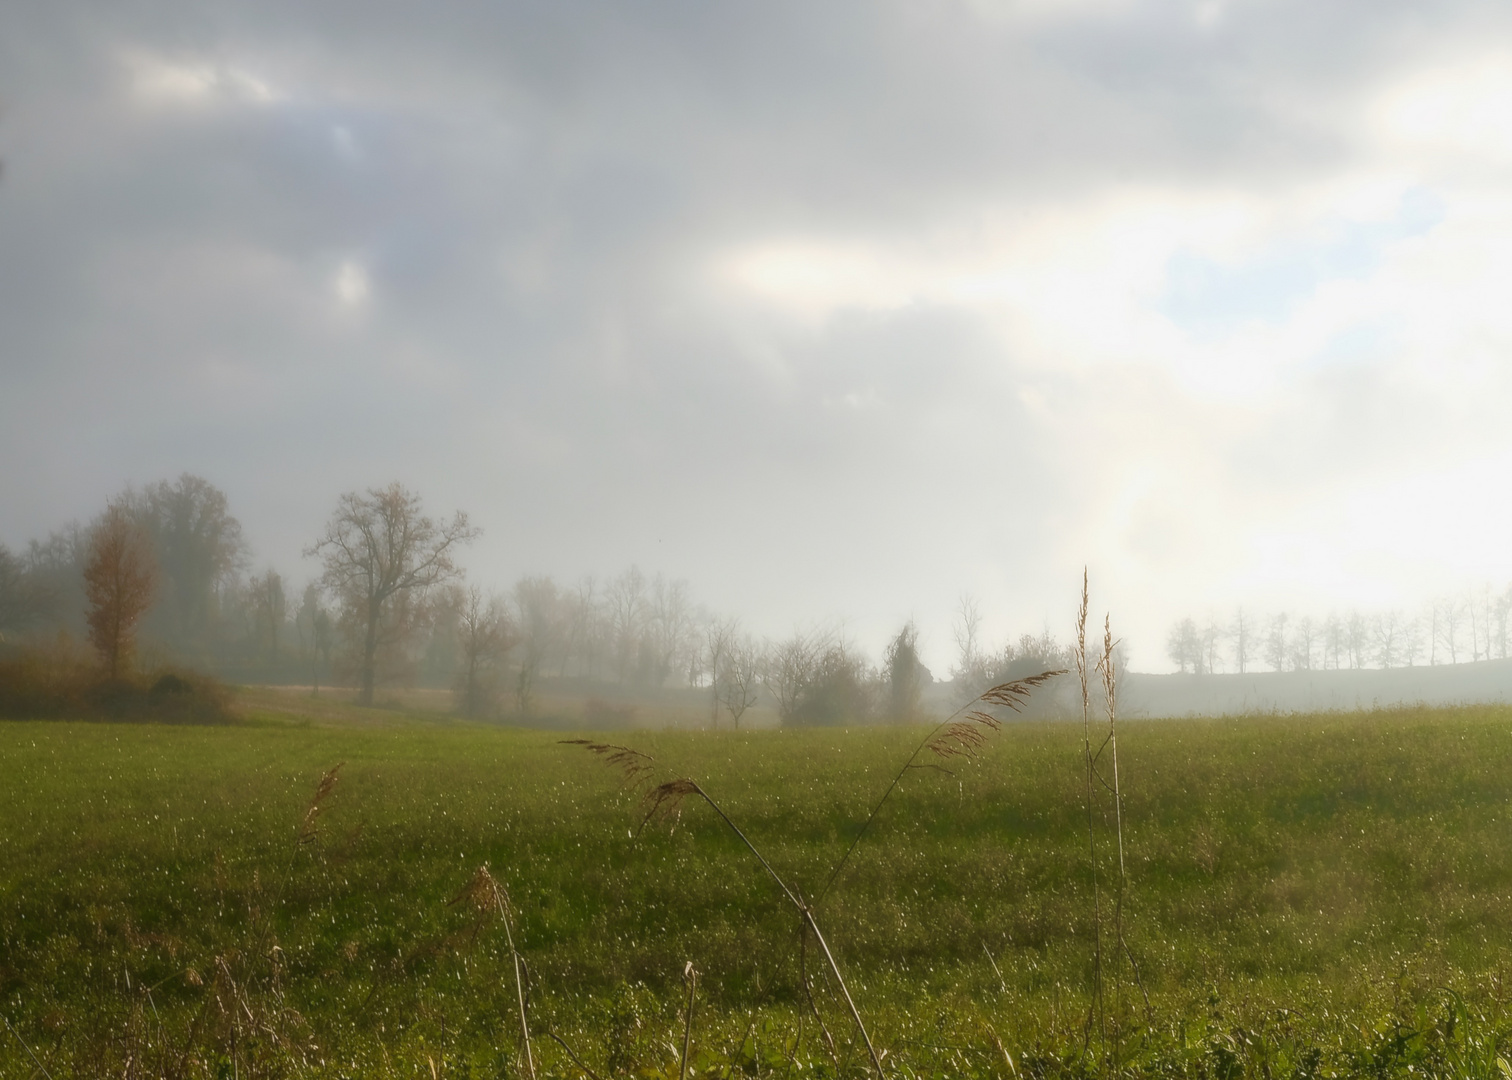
790, 668
720, 637
1184, 647
1275, 642
626, 610
743, 665
538, 621
1242, 633
269, 607
672, 628
905, 674
119, 580
316, 636
484, 638
199, 546
378, 551
23, 599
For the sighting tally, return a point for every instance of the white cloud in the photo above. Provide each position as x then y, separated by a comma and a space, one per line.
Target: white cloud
159, 81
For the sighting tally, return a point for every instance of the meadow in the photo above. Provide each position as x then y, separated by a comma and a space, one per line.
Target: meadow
1321, 895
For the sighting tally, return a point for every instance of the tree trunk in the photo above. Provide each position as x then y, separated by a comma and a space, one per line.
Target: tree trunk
369, 655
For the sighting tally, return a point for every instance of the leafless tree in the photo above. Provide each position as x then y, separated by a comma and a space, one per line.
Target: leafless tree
1451, 625
1304, 644
1212, 634
671, 625
626, 610
381, 554
266, 592
1184, 647
790, 667
720, 638
1500, 612
1242, 634
741, 676
971, 662
119, 580
1388, 638
583, 623
1412, 641
538, 623
484, 639
1356, 639
1333, 641
1275, 642
316, 633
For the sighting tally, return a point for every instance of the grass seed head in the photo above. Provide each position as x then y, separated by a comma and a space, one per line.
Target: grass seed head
664, 802
307, 827
632, 765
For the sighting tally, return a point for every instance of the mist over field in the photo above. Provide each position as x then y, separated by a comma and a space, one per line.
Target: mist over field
875, 539
837, 315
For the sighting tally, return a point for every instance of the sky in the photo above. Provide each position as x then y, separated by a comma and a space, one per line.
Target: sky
839, 311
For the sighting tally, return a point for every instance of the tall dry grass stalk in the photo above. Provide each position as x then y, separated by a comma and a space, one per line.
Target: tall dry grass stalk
690, 976
1096, 1013
666, 799
485, 893
1107, 668
960, 734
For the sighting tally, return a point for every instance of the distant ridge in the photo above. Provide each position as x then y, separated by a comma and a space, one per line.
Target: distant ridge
1482, 682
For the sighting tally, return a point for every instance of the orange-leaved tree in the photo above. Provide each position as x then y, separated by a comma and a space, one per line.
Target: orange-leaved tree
119, 580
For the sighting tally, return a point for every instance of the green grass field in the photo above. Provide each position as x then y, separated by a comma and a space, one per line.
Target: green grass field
1308, 896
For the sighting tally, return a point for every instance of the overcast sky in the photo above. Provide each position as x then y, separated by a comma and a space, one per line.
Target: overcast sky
838, 310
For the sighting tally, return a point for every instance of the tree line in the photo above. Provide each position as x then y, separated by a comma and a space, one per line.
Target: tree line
1464, 627
164, 575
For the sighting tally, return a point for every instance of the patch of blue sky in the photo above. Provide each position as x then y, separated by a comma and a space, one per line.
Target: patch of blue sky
1210, 299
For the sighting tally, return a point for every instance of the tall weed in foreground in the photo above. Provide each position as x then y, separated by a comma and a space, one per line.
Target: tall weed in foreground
960, 734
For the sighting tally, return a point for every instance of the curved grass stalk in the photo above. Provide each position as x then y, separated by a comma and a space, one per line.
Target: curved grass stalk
958, 735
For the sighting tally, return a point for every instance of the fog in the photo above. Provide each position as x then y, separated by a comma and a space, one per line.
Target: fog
837, 315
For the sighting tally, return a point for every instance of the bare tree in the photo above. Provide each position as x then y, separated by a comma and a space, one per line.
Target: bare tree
971, 664
378, 551
789, 669
119, 580
1412, 641
720, 638
268, 607
1500, 613
484, 639
1303, 644
583, 627
1333, 641
1212, 634
671, 626
1388, 639
1356, 639
1450, 624
1275, 642
1184, 647
316, 634
626, 609
742, 672
538, 620
1242, 634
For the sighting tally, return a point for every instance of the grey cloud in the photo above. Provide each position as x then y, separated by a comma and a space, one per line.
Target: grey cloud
528, 187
